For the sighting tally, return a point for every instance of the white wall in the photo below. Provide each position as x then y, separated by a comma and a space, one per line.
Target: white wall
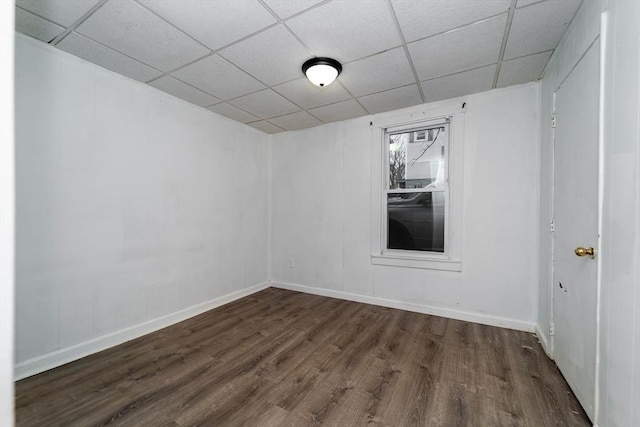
134, 209
321, 215
7, 211
619, 392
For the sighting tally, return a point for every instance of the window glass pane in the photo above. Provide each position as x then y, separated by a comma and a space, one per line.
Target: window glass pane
416, 221
417, 159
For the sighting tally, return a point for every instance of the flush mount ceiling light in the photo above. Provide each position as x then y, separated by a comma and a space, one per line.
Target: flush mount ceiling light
321, 71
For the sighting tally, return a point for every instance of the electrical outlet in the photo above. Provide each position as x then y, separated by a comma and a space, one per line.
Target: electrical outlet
292, 263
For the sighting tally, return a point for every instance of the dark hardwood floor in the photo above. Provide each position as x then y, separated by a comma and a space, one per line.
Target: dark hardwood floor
282, 358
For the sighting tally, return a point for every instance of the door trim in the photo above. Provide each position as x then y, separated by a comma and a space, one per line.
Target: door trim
604, 20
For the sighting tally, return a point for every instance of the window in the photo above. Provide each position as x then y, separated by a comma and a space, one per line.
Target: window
416, 188
418, 194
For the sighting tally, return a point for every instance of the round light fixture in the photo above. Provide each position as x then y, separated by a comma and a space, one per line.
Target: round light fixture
321, 71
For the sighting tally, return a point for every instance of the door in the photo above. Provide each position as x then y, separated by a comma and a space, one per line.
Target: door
576, 226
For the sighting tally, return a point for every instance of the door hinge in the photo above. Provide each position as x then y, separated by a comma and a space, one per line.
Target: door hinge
553, 120
552, 329
552, 225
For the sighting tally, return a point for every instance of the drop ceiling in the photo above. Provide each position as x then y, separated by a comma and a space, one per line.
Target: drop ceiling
242, 58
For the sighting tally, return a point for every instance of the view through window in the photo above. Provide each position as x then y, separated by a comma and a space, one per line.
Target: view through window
417, 188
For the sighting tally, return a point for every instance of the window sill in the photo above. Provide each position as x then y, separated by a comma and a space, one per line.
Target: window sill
417, 261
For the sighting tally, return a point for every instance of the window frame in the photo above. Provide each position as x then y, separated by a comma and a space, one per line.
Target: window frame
451, 258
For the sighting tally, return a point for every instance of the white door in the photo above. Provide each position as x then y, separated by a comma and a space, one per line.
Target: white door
576, 226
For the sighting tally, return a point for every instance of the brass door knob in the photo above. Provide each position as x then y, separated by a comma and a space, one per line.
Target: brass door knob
580, 251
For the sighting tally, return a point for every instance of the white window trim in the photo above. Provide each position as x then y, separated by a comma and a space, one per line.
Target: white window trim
451, 259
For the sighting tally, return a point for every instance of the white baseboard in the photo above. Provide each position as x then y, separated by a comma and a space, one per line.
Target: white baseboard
484, 319
544, 342
60, 357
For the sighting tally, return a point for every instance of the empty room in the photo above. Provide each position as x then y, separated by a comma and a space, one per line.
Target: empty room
337, 212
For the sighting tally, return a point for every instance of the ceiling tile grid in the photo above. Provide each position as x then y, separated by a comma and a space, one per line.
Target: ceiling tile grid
266, 127
523, 3
36, 27
217, 76
61, 12
392, 70
182, 90
418, 22
108, 58
459, 84
307, 95
286, 8
129, 28
523, 69
392, 99
294, 121
347, 30
273, 56
242, 58
538, 27
344, 110
213, 23
465, 48
266, 104
234, 113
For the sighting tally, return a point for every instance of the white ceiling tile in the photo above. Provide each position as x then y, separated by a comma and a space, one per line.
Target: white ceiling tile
34, 26
465, 83
214, 23
286, 8
340, 111
233, 113
419, 20
299, 120
62, 12
307, 95
539, 27
273, 56
347, 30
265, 126
265, 104
217, 76
101, 55
135, 31
463, 49
182, 90
377, 73
522, 70
392, 99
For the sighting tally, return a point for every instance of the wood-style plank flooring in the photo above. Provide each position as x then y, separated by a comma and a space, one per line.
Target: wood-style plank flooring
282, 358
